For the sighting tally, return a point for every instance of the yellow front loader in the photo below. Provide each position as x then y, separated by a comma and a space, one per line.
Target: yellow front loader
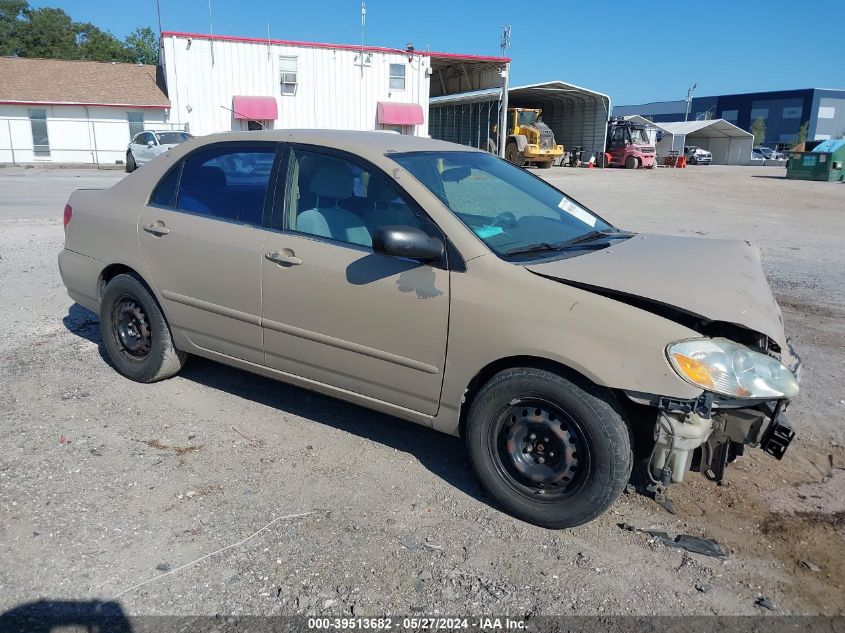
530, 140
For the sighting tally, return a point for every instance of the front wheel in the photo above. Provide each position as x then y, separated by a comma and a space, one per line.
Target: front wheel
135, 333
545, 164
553, 451
513, 155
631, 162
130, 163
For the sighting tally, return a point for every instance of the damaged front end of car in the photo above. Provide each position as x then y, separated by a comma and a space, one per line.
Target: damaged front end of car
746, 393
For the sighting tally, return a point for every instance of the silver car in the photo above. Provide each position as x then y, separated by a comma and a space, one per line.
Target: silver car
151, 143
442, 285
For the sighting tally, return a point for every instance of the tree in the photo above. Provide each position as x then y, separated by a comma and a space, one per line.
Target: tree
49, 33
142, 46
12, 14
97, 45
802, 133
758, 129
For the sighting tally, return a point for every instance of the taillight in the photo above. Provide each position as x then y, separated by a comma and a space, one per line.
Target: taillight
68, 213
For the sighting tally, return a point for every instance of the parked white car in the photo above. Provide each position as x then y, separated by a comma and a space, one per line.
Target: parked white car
149, 144
697, 156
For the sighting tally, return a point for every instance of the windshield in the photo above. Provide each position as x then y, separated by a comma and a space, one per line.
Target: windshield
172, 138
505, 206
526, 118
638, 135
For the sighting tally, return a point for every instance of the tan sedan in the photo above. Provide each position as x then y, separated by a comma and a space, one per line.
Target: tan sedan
444, 286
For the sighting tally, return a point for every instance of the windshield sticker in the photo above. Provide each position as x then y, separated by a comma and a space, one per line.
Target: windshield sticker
487, 231
576, 212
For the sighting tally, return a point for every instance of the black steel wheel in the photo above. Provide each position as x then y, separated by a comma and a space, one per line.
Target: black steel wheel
540, 449
552, 450
130, 328
135, 333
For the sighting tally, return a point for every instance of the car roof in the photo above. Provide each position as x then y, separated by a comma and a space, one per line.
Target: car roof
365, 144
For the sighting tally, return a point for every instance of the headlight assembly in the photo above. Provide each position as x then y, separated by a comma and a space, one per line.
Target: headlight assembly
730, 369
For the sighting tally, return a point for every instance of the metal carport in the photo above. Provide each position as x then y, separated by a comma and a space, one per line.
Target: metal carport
576, 115
729, 144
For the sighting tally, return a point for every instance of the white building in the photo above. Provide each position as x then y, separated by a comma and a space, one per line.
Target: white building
76, 111
225, 83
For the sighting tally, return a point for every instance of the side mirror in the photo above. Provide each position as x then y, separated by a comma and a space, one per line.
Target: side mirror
406, 241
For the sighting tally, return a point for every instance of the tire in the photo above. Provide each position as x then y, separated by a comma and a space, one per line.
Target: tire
522, 407
130, 163
692, 161
135, 333
546, 164
513, 155
631, 162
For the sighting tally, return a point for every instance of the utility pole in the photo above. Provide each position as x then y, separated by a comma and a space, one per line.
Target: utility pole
503, 102
690, 90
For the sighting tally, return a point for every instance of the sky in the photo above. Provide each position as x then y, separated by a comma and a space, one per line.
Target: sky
634, 51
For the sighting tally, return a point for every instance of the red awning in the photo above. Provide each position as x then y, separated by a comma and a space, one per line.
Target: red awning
255, 108
399, 113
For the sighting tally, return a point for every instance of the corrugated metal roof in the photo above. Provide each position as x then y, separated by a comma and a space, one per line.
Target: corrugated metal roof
57, 81
830, 145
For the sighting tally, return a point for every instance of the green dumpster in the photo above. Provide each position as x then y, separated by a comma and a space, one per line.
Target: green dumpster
825, 162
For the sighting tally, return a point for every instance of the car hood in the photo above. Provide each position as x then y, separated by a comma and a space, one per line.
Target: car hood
717, 280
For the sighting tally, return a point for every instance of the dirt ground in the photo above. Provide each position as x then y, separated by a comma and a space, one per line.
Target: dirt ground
296, 503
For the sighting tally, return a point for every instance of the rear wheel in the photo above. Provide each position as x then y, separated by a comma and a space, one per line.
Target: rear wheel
553, 451
135, 333
631, 162
513, 155
130, 163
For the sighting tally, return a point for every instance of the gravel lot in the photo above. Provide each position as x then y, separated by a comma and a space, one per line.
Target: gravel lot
108, 487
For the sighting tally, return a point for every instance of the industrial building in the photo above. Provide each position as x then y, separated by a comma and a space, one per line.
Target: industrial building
783, 111
220, 83
62, 111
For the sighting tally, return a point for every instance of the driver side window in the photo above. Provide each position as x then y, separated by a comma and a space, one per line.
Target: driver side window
331, 197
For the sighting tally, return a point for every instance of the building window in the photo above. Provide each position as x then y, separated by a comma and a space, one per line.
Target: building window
792, 112
397, 76
827, 112
757, 113
136, 123
730, 115
288, 67
40, 139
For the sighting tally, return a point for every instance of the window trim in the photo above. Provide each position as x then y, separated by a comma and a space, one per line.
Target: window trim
39, 153
269, 193
282, 73
280, 207
403, 76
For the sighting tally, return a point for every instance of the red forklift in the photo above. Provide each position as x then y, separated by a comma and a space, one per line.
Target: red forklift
628, 146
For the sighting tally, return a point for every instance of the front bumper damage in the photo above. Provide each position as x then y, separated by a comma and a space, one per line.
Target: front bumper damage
721, 429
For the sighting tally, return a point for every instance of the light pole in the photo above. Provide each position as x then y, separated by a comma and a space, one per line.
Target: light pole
503, 103
690, 90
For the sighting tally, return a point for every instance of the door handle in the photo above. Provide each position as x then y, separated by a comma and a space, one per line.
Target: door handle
281, 258
156, 229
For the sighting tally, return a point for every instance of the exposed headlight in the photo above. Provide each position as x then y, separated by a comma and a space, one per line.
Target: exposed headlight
730, 369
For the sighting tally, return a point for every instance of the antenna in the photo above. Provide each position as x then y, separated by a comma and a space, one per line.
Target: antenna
158, 12
361, 61
269, 45
211, 31
506, 39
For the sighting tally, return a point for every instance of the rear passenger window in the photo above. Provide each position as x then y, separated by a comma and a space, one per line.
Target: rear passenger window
164, 195
228, 183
